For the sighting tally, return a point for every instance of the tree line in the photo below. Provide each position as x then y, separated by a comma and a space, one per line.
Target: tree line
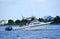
17, 22
56, 20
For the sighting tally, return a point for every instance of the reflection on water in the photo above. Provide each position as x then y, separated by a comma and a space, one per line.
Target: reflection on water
51, 32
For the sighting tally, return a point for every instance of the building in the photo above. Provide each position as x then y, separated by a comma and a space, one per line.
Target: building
2, 22
48, 18
29, 18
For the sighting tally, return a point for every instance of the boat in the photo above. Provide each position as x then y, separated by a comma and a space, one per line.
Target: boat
35, 25
9, 28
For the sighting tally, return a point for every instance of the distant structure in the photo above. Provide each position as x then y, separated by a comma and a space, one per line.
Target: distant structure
48, 18
2, 22
29, 18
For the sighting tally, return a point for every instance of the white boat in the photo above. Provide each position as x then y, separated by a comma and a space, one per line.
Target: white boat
35, 25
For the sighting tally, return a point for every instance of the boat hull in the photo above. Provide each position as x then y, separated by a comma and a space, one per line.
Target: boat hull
36, 27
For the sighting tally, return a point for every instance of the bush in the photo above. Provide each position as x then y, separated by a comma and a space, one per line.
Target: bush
17, 22
10, 22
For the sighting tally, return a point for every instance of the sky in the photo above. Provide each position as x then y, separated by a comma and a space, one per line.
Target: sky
15, 9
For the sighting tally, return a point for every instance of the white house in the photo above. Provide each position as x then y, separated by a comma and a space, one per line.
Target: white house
2, 22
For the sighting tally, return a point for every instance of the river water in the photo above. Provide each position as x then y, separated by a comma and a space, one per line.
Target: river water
51, 32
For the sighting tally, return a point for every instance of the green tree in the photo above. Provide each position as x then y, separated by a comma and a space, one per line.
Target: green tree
57, 19
32, 19
24, 21
17, 22
10, 22
40, 19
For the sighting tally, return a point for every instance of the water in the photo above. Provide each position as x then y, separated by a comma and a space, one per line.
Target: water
51, 32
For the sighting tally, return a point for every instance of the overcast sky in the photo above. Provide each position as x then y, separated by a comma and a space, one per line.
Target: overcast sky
15, 9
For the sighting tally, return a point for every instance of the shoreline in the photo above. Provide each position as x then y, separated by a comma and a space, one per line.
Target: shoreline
18, 25
9, 25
